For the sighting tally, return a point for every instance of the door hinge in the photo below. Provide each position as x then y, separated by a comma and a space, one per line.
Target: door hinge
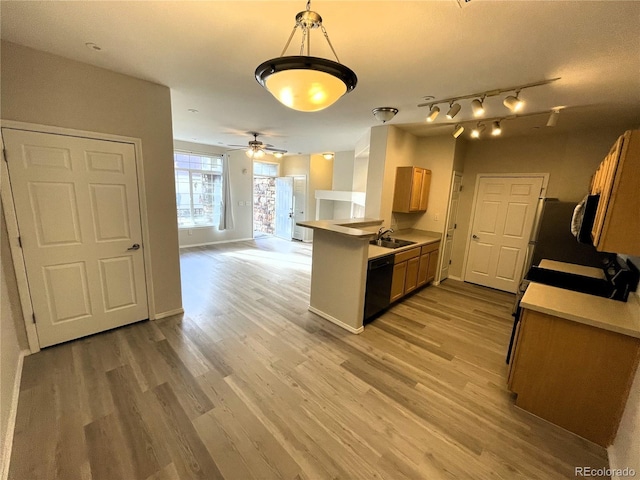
455, 225
4, 154
33, 316
20, 241
449, 262
460, 188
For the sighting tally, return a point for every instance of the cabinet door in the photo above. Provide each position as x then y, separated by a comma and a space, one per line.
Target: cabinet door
603, 185
417, 182
411, 278
424, 191
433, 266
397, 282
423, 269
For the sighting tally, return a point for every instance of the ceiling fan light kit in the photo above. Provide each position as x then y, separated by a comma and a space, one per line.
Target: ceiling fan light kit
303, 82
256, 149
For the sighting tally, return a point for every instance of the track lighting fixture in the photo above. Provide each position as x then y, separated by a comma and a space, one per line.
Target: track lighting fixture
458, 131
477, 106
433, 113
496, 129
514, 104
475, 133
384, 114
454, 108
553, 117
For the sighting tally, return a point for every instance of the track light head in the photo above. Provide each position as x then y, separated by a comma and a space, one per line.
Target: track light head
476, 132
458, 131
496, 129
514, 104
453, 110
553, 117
477, 107
433, 113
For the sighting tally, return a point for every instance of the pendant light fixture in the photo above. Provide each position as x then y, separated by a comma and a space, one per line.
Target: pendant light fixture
303, 82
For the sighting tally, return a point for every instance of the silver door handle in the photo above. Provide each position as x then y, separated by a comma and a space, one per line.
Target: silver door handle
135, 246
476, 237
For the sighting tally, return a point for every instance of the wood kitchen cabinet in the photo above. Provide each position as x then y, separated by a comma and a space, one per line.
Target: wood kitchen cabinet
572, 374
411, 193
413, 269
617, 181
428, 263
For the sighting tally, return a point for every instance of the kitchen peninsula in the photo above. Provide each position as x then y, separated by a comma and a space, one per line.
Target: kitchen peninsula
341, 251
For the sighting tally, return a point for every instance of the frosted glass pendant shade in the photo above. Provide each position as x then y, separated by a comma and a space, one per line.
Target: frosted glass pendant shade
306, 84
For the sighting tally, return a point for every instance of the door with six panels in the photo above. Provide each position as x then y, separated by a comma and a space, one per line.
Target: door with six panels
78, 213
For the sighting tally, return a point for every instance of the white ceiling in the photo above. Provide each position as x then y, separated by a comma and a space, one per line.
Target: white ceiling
402, 51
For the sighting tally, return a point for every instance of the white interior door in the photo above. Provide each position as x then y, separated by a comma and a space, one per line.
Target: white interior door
77, 207
299, 205
501, 227
451, 224
284, 207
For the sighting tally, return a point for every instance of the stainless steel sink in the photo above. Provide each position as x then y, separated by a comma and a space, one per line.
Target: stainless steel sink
391, 243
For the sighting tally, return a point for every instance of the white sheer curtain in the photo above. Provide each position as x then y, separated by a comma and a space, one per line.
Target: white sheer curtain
226, 217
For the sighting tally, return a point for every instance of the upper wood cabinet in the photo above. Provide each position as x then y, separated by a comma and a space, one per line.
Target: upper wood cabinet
411, 192
617, 181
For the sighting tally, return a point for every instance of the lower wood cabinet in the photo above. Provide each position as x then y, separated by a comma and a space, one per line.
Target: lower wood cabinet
413, 269
574, 375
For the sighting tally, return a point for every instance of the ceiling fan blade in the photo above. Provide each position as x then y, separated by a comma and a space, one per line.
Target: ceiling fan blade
272, 149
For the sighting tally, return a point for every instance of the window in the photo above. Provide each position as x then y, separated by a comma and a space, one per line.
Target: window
198, 189
265, 169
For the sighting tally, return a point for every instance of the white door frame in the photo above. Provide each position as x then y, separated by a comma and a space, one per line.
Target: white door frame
8, 206
446, 226
545, 182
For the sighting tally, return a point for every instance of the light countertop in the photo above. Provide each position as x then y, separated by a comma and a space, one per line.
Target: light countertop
421, 237
612, 315
354, 227
573, 268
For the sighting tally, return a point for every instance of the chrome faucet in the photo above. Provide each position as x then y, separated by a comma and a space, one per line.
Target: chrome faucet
382, 233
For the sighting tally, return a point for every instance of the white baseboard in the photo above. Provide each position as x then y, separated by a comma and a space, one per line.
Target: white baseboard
340, 323
216, 243
11, 424
170, 313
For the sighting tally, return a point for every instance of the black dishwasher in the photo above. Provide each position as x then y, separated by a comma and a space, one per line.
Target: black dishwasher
378, 292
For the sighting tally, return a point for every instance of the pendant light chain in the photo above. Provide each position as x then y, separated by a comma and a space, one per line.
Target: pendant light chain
326, 35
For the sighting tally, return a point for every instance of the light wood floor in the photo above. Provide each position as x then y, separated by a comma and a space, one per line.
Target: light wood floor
249, 384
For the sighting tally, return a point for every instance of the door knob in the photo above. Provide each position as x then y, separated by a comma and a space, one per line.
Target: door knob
135, 246
476, 237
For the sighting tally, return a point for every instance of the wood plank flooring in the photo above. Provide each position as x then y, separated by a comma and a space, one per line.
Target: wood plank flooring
250, 385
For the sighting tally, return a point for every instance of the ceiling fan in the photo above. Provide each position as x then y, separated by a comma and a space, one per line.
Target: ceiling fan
256, 149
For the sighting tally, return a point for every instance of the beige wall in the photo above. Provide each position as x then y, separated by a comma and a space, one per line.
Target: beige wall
241, 177
41, 88
570, 159
12, 336
320, 178
436, 154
